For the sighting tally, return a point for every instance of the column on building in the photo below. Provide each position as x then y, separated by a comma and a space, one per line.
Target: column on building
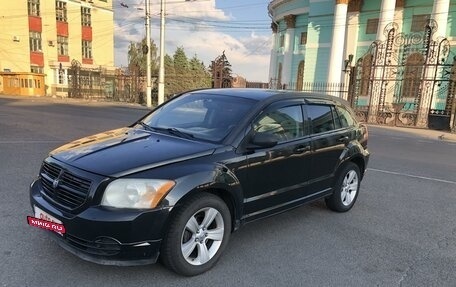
351, 43
273, 60
440, 15
387, 11
288, 51
336, 56
386, 16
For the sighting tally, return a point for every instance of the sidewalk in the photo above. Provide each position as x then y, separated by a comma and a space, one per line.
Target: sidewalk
425, 133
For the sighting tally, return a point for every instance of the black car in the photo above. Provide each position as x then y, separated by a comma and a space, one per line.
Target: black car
179, 181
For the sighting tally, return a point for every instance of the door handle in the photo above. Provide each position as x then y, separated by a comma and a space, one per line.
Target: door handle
343, 139
301, 149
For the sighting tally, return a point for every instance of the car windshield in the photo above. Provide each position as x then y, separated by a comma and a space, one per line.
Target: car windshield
208, 117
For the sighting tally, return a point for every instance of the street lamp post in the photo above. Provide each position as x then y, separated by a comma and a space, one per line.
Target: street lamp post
161, 71
148, 57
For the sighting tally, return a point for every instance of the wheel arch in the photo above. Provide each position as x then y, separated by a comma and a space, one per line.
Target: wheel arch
359, 161
225, 195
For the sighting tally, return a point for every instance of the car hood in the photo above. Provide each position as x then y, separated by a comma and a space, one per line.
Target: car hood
128, 150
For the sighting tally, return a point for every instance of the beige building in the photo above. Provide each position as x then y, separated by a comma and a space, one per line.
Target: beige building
49, 36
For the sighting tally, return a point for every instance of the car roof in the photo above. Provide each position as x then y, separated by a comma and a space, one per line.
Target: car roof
267, 94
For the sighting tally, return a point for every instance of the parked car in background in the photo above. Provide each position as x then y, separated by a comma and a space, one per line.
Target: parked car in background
179, 181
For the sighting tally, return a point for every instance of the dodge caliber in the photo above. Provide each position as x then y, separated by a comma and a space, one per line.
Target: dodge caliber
175, 184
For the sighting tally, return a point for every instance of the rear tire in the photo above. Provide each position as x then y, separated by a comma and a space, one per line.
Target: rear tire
198, 233
346, 189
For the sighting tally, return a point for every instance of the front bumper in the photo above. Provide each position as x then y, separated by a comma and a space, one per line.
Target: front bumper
106, 235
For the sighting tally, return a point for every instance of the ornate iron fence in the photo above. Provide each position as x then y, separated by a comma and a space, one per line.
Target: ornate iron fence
406, 80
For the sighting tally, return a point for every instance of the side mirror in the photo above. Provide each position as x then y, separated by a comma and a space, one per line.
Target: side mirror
263, 140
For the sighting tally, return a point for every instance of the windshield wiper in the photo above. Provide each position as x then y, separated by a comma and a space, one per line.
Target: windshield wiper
179, 133
146, 126
172, 131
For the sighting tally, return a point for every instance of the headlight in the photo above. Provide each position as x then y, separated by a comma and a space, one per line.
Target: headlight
136, 193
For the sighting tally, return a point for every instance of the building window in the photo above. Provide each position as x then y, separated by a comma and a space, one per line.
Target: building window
86, 49
35, 41
36, 69
62, 44
86, 17
33, 7
300, 77
303, 40
61, 76
419, 22
366, 68
61, 11
372, 25
412, 76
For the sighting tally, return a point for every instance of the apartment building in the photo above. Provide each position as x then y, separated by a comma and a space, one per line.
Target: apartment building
51, 39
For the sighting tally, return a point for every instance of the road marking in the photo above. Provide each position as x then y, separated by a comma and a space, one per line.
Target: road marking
412, 176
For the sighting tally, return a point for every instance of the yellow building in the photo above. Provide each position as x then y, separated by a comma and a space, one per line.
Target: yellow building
49, 36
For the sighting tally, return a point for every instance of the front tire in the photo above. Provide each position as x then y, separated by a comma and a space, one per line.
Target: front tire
346, 189
198, 233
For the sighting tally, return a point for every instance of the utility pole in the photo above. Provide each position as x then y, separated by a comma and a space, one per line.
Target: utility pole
148, 57
161, 71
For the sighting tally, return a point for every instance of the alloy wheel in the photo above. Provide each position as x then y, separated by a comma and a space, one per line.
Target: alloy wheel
202, 236
349, 187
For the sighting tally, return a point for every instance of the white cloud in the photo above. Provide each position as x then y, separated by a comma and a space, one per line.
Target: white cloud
194, 26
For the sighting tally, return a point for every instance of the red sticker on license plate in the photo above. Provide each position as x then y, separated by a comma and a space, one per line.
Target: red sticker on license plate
49, 225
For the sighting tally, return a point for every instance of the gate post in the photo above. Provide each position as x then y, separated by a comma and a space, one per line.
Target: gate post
424, 104
453, 117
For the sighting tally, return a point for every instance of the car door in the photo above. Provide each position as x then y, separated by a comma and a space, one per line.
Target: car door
277, 175
329, 141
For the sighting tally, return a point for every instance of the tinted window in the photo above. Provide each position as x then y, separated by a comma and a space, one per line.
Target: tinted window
321, 118
337, 120
345, 117
286, 123
208, 117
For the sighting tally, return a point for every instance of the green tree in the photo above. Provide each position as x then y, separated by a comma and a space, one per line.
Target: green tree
201, 78
137, 67
182, 74
170, 77
183, 81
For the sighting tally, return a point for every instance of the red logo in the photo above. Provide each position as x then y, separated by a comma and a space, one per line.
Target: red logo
49, 225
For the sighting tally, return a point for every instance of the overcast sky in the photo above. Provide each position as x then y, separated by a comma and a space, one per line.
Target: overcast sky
206, 28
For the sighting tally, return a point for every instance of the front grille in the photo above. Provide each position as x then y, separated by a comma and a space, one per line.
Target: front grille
64, 187
101, 246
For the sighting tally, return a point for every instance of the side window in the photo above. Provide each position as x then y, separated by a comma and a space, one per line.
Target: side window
337, 119
345, 117
321, 118
286, 123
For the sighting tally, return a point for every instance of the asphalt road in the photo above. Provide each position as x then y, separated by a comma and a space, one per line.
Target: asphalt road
401, 232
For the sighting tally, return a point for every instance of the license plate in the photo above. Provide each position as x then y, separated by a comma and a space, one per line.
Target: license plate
44, 220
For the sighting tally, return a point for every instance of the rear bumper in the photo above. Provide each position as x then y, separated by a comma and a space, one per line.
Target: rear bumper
105, 235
